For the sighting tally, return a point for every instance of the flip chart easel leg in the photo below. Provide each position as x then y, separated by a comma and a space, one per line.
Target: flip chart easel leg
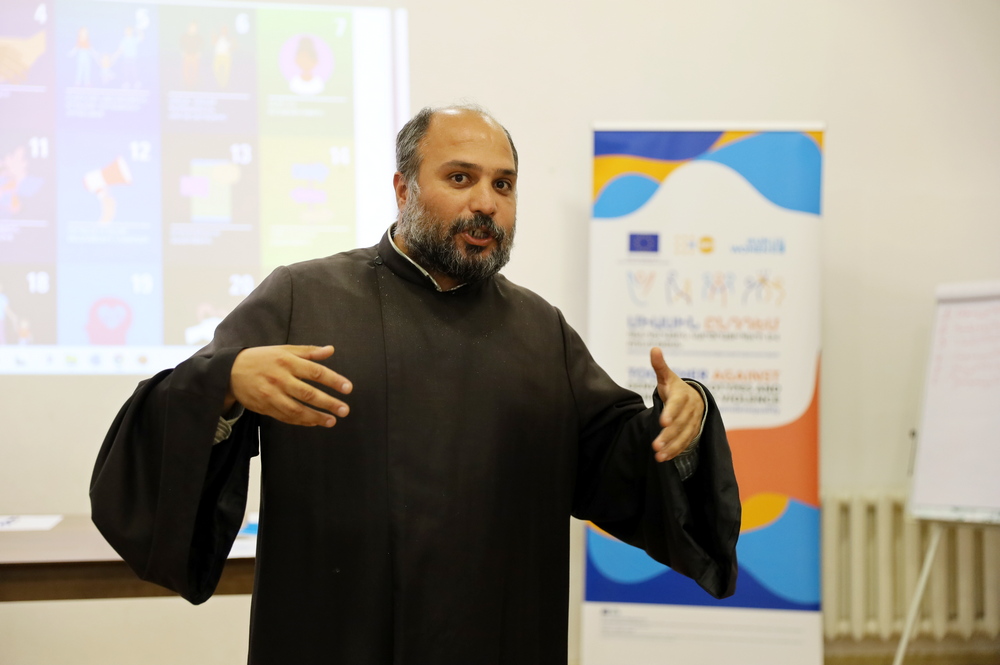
925, 572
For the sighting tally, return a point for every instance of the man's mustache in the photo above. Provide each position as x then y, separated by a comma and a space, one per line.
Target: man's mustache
476, 222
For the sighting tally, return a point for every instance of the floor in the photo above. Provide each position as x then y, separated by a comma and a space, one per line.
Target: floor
976, 651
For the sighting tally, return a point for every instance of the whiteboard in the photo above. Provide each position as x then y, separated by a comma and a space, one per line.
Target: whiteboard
956, 474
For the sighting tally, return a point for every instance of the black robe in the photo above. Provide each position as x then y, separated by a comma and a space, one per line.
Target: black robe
430, 526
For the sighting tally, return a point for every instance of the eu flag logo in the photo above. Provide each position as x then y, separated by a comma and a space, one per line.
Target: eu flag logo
643, 242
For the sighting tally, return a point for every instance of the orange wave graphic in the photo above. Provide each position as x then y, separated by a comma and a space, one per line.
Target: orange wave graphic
730, 137
780, 460
609, 167
762, 510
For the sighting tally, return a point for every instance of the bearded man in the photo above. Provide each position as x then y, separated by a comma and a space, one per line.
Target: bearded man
417, 484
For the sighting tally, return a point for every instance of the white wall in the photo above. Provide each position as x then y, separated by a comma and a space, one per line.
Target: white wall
910, 93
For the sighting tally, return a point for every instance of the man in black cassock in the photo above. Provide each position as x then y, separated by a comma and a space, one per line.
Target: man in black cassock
429, 526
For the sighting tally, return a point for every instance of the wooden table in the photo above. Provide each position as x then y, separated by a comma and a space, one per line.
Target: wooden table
72, 561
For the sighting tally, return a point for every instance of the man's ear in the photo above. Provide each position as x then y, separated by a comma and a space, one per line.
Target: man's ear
402, 189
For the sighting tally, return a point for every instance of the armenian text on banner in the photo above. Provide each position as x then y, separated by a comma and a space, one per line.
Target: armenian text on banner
706, 243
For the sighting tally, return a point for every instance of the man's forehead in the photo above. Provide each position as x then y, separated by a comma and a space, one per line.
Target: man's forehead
450, 117
454, 132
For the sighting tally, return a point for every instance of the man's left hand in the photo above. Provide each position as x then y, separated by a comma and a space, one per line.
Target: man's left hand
682, 412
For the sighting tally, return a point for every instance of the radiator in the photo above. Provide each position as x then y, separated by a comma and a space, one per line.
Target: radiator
872, 554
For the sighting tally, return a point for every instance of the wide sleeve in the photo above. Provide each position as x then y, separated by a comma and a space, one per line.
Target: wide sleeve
166, 499
690, 525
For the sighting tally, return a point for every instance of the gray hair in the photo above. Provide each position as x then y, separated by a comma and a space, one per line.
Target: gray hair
413, 132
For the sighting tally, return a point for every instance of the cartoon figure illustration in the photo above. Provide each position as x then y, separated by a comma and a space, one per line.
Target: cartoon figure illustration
718, 285
639, 284
17, 55
191, 46
306, 82
676, 290
222, 60
6, 313
85, 56
128, 53
107, 73
24, 336
98, 181
108, 321
202, 332
15, 183
764, 288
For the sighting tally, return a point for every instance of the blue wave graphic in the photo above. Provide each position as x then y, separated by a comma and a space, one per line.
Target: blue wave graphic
619, 562
624, 195
672, 146
675, 589
785, 167
784, 556
779, 566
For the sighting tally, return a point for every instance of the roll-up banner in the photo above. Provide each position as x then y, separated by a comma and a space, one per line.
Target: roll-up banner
705, 241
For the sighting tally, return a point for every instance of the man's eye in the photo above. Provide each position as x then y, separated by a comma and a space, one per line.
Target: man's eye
503, 184
460, 178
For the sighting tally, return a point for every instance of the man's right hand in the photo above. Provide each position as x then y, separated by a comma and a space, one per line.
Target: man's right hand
271, 381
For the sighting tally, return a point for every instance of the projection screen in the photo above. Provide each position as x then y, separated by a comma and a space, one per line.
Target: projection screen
157, 159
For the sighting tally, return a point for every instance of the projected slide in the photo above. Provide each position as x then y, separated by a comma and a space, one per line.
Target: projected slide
157, 159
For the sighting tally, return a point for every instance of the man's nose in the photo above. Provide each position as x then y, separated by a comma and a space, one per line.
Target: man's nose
483, 199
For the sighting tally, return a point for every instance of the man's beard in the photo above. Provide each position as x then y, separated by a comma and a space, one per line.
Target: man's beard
430, 241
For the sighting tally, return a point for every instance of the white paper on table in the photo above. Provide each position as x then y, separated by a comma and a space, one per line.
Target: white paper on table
29, 522
245, 547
